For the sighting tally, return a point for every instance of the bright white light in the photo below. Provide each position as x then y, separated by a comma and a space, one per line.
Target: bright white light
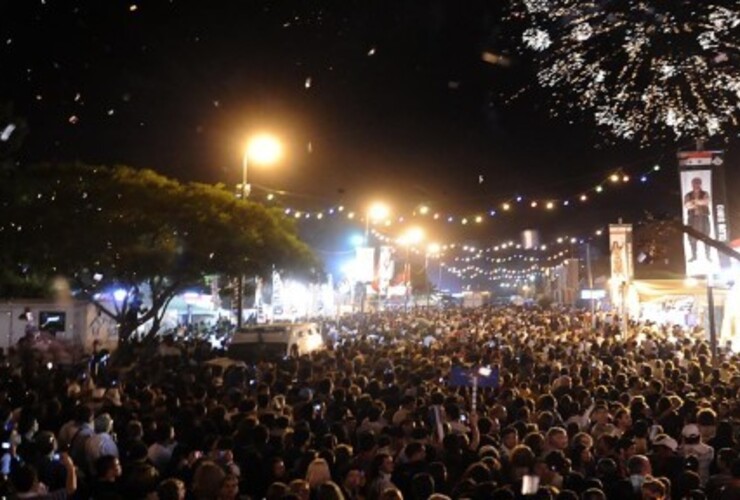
690, 282
119, 295
356, 240
378, 211
264, 149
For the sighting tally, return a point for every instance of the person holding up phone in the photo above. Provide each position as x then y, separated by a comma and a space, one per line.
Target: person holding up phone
26, 481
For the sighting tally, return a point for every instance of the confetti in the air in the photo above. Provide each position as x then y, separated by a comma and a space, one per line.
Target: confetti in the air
371, 52
7, 132
307, 83
133, 7
73, 119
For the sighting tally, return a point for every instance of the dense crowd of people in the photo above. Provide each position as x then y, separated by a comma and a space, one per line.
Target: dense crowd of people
485, 403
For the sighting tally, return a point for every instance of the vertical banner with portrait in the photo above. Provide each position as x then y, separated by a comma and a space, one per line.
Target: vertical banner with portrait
620, 252
704, 209
622, 266
530, 239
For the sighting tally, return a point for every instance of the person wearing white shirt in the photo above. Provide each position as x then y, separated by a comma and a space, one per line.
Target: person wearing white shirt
102, 443
160, 453
693, 445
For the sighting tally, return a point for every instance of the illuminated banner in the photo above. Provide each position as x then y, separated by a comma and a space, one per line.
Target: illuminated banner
277, 294
620, 253
530, 239
620, 257
365, 269
261, 317
385, 269
704, 209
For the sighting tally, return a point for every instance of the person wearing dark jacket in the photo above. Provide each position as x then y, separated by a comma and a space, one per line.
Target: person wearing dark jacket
107, 485
140, 477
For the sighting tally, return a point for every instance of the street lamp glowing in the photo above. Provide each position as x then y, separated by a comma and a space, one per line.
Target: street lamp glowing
378, 211
263, 149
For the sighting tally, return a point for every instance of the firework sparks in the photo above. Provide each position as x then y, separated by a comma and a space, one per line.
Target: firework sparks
646, 69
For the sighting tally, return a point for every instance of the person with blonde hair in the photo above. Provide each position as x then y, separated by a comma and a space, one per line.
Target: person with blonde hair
318, 473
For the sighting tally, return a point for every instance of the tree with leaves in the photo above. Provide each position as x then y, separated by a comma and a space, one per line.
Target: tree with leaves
135, 230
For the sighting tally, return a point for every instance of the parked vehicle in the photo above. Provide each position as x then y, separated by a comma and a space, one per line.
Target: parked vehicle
275, 340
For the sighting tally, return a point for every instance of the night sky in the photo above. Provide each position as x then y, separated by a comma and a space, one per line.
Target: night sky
373, 99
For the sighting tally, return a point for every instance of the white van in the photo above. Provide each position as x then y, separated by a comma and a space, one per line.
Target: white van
275, 340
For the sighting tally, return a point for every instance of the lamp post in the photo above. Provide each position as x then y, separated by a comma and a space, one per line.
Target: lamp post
262, 149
